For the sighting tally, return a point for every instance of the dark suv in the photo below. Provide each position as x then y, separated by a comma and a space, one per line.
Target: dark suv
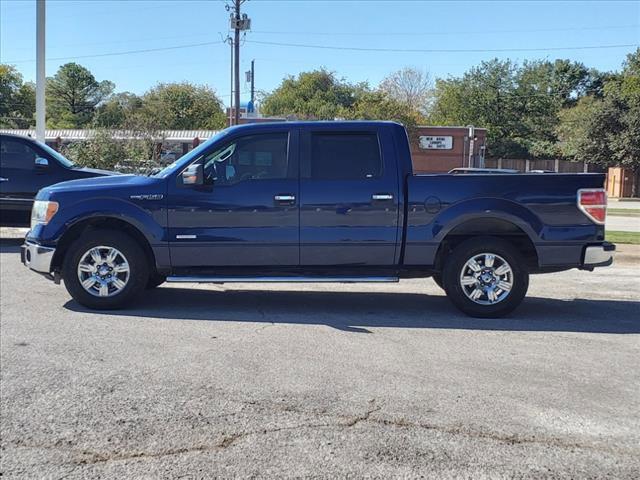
26, 166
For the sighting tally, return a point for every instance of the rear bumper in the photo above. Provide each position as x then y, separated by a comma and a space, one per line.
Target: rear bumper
598, 255
37, 257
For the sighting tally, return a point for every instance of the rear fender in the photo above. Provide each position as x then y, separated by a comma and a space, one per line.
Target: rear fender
423, 241
456, 215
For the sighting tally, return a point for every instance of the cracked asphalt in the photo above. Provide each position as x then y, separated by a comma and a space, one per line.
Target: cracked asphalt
321, 381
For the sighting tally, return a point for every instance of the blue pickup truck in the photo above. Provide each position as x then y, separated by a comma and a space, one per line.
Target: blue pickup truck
316, 202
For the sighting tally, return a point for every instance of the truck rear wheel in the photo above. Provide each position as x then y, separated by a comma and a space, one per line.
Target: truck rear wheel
155, 280
485, 277
105, 269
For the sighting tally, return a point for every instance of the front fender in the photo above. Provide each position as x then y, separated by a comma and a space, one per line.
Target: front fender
149, 219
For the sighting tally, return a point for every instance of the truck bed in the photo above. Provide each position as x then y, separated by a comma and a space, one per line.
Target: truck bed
542, 206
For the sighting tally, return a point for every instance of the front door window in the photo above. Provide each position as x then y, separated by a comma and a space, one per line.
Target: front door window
255, 157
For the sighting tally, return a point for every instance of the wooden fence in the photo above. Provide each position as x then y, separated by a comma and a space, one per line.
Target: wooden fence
562, 166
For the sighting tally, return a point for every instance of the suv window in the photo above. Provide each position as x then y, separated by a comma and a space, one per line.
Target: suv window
16, 154
351, 156
254, 157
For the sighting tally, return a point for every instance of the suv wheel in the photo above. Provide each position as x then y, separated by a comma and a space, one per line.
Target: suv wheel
105, 269
485, 277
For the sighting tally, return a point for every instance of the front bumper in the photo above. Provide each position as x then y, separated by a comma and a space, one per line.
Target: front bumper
599, 255
37, 257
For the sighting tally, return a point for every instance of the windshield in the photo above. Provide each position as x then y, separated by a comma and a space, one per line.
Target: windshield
57, 155
188, 157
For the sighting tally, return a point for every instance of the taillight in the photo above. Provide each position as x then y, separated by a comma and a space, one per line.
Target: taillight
593, 202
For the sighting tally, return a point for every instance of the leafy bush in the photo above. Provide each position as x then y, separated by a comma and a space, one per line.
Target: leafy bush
127, 151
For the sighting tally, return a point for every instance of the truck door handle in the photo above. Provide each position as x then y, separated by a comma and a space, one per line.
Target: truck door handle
285, 198
381, 196
4, 179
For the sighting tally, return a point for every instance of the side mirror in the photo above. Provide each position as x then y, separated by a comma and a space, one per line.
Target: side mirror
41, 163
193, 174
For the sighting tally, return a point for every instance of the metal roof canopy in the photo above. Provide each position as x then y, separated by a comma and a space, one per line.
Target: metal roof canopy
79, 134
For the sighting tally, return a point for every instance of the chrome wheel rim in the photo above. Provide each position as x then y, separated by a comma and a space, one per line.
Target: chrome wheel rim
103, 271
486, 279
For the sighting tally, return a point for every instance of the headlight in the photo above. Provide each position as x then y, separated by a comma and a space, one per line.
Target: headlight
42, 212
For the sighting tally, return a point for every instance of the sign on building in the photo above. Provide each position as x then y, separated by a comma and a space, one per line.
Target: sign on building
436, 143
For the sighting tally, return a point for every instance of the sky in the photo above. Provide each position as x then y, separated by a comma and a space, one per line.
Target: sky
182, 40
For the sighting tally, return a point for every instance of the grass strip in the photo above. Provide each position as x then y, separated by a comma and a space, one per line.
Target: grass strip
616, 236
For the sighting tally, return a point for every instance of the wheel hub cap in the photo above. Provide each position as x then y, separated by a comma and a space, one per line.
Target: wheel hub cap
486, 279
103, 271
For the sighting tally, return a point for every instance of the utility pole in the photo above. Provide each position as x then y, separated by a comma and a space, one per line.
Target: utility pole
230, 40
472, 138
239, 23
236, 61
250, 79
40, 69
253, 83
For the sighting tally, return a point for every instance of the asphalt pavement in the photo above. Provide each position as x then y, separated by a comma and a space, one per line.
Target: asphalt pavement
321, 381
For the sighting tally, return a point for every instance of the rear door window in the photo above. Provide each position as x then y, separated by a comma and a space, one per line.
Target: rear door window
15, 154
345, 156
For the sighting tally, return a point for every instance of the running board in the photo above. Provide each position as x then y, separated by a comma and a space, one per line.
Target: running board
292, 279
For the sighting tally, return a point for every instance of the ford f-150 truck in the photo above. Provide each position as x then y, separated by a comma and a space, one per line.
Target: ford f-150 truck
316, 202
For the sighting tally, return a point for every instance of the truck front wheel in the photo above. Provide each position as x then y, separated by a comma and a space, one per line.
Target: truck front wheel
437, 278
105, 269
485, 277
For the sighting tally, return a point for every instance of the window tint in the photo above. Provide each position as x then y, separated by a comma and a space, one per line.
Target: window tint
345, 156
254, 157
15, 154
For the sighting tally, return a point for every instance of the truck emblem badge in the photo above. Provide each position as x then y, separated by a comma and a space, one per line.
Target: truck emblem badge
148, 196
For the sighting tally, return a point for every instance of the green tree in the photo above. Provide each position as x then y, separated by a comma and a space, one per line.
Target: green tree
518, 104
485, 96
315, 95
99, 151
607, 131
73, 94
575, 130
17, 99
117, 111
107, 149
320, 95
181, 106
378, 105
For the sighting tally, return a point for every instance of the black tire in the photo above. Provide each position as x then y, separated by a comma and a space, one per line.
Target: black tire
155, 280
437, 277
457, 259
136, 259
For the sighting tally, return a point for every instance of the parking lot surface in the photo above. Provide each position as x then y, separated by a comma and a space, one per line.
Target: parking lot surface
321, 381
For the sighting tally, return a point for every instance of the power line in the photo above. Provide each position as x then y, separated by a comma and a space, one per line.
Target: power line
464, 32
441, 50
128, 41
357, 34
126, 52
331, 47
